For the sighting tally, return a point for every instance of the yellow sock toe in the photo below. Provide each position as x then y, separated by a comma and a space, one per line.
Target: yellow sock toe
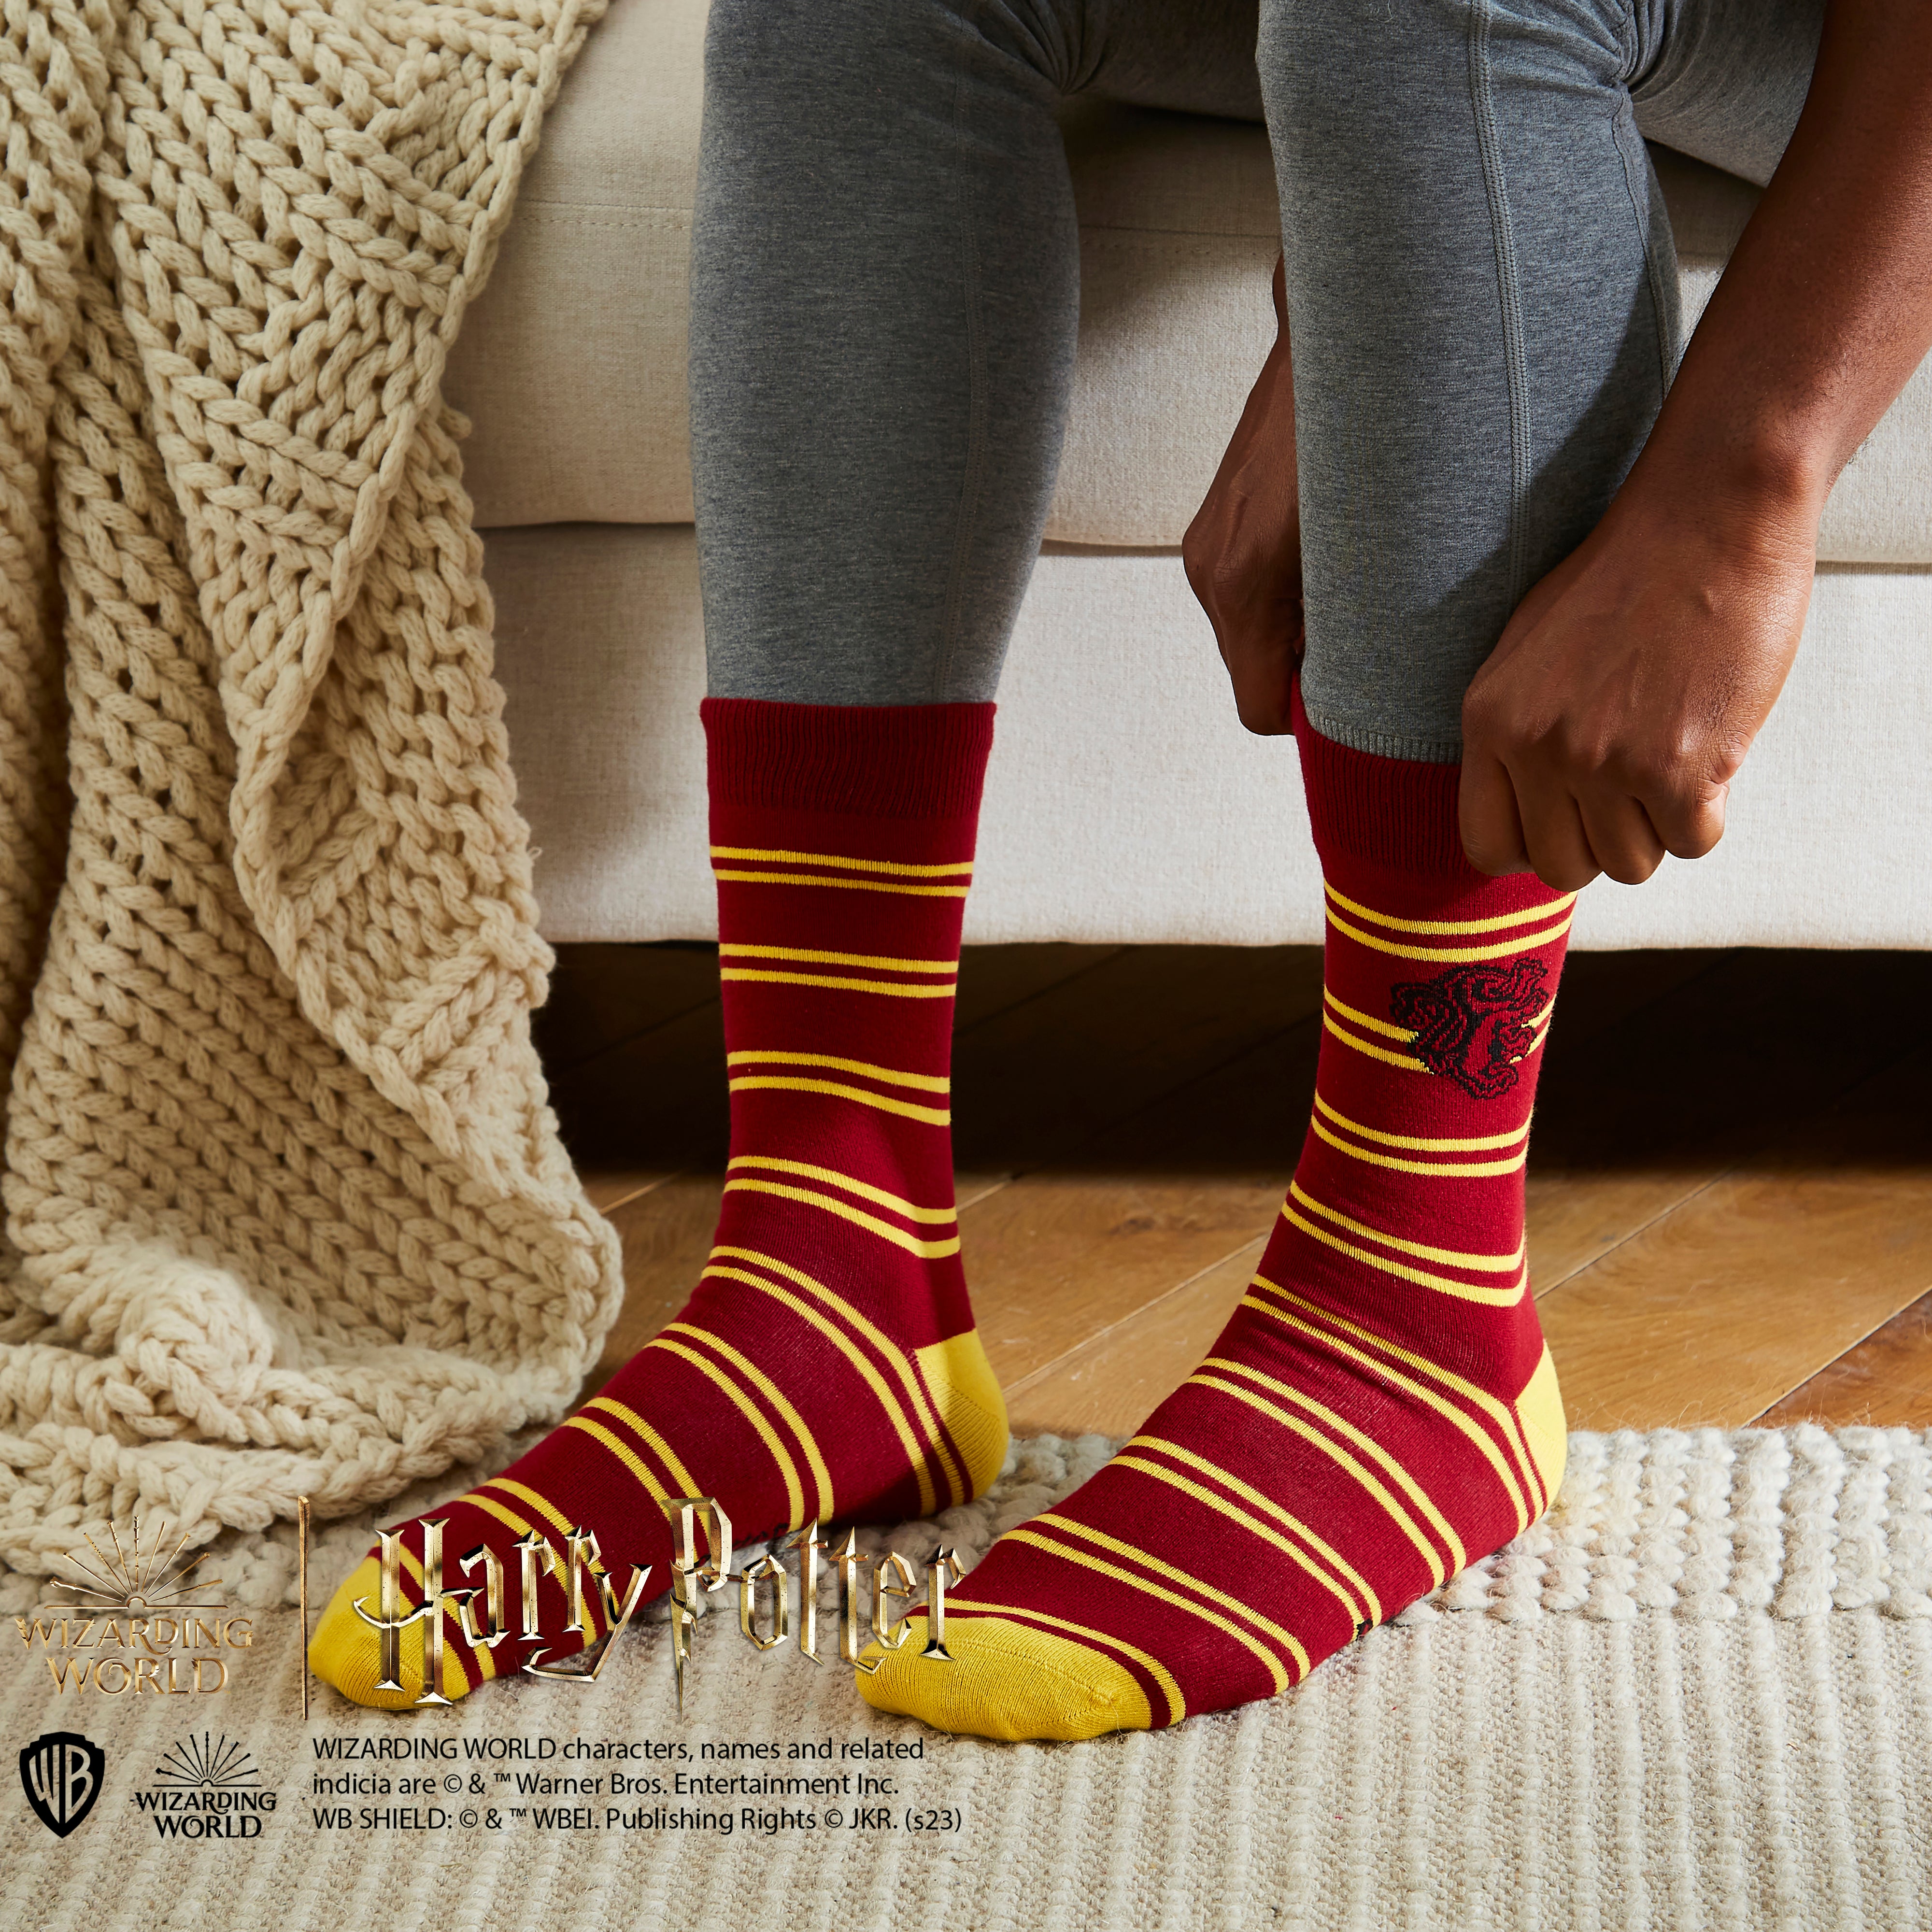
1007, 1679
345, 1652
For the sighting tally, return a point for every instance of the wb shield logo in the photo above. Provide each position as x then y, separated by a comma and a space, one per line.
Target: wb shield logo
61, 1771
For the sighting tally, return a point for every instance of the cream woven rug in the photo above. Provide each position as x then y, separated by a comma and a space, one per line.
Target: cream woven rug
1700, 1694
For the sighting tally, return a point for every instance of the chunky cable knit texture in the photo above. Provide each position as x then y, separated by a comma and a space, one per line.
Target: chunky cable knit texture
268, 943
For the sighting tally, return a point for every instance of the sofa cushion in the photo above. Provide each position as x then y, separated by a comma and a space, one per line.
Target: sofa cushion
1124, 805
572, 367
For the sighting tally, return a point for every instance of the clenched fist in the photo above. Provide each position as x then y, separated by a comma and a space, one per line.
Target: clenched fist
1606, 727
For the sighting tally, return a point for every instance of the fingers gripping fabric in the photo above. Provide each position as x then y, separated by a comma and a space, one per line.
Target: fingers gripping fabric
273, 1108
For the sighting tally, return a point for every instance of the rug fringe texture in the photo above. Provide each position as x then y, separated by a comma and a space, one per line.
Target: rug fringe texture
1699, 1696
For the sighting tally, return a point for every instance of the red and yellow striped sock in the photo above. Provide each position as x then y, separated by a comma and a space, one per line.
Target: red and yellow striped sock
1381, 1411
827, 1365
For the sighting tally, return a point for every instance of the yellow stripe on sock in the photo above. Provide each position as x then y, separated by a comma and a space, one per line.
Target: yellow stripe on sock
794, 1489
453, 1621
1336, 1454
936, 1117
1269, 1658
541, 1504
901, 1365
1325, 1550
838, 986
1449, 1170
1450, 1257
1480, 1437
1357, 1612
890, 1076
509, 1516
1384, 1459
776, 1396
622, 1451
806, 956
863, 1188
687, 1484
1080, 1557
1132, 1553
1540, 1026
1462, 1291
894, 867
928, 1251
845, 885
1177, 1705
1502, 1412
1495, 924
916, 1456
1348, 1012
1452, 1143
1407, 1060
1526, 942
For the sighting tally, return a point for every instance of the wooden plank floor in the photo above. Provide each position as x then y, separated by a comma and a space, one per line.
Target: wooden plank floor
1730, 1183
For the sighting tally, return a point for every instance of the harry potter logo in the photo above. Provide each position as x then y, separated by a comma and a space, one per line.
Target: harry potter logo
61, 1771
1472, 1023
480, 1610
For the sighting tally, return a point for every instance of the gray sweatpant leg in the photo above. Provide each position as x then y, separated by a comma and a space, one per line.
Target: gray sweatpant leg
885, 281
885, 290
1482, 296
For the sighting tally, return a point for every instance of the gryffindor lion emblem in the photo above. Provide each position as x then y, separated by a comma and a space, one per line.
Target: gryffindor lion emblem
1471, 1023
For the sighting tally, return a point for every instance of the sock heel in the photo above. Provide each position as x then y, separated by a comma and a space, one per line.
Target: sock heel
1539, 1408
966, 1393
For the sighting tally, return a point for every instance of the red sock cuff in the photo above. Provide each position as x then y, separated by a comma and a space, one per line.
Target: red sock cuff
918, 761
1399, 814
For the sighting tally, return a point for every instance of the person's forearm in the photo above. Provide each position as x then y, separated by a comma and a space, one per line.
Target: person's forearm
1826, 307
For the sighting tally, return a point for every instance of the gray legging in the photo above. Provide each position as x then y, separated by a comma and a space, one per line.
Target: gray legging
1481, 286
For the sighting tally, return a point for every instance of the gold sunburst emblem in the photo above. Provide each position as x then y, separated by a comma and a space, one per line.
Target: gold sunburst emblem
138, 1578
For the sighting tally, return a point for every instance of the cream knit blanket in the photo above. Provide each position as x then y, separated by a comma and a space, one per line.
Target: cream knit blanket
286, 1211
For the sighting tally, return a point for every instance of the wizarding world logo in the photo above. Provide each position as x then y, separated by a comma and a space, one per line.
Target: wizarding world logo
61, 1771
207, 1787
138, 1620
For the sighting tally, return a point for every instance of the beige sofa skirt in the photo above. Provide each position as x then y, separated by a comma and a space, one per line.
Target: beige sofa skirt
1124, 802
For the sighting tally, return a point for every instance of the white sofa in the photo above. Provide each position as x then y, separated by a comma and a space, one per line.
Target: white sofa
1124, 802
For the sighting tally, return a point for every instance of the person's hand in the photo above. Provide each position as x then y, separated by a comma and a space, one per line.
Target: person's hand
1243, 550
1605, 729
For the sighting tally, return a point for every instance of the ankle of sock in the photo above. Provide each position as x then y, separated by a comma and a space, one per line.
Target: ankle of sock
1439, 987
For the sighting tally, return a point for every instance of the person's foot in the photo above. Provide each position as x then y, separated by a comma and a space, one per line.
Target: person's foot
1308, 1481
1380, 1412
827, 1367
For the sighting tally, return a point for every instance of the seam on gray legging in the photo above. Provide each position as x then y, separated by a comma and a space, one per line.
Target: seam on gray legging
1496, 187
1636, 177
973, 479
